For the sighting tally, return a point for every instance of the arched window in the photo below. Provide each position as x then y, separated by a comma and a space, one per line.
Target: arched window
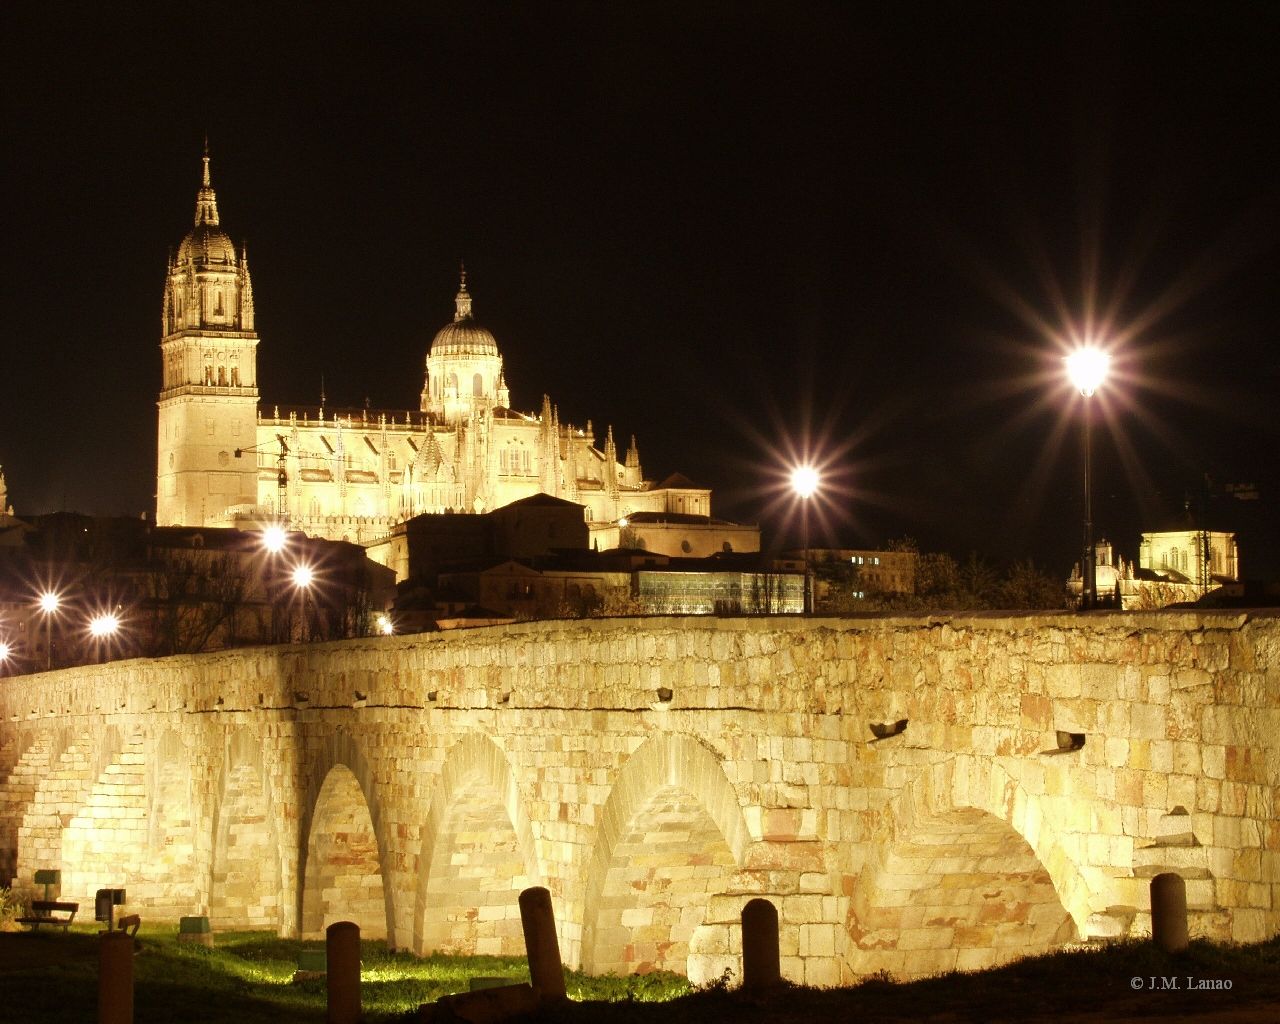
217, 305
477, 386
235, 376
453, 382
222, 376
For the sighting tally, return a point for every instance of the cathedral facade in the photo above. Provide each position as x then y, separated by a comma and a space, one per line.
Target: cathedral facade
340, 474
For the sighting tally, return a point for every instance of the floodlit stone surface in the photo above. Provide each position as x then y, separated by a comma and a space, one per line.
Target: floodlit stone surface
966, 840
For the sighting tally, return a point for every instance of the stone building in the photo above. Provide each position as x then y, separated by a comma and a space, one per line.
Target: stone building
341, 474
1173, 567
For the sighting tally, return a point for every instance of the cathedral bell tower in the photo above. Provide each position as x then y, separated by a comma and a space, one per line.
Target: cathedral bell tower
209, 396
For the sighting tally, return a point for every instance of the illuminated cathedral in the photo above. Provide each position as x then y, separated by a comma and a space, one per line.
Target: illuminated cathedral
342, 474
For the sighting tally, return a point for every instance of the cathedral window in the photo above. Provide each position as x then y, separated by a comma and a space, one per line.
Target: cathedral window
222, 376
235, 376
524, 458
391, 460
217, 308
208, 376
453, 383
477, 386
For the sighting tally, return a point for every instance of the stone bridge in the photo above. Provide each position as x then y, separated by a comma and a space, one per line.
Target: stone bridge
914, 793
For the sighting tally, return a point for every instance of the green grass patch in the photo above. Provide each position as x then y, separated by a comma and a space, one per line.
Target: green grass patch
247, 978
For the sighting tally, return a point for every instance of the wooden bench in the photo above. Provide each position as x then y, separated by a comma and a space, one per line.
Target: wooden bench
43, 911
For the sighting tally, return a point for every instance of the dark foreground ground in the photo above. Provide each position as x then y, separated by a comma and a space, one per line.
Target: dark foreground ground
52, 977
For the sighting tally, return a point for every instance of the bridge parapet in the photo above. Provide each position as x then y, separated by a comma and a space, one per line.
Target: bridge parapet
657, 773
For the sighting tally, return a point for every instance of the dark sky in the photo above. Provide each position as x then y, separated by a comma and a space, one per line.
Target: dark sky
733, 230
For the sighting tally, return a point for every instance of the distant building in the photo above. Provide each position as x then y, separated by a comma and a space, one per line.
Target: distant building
1173, 567
843, 576
624, 582
177, 590
224, 459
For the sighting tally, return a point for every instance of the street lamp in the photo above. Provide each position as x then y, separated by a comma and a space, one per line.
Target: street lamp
49, 602
303, 577
385, 626
103, 627
804, 482
1087, 369
273, 538
5, 652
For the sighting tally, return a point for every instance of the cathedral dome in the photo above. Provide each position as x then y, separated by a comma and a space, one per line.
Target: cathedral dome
206, 243
463, 337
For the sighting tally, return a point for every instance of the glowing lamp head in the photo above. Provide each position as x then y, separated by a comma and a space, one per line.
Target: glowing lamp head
49, 602
273, 538
1087, 368
804, 481
5, 651
101, 626
624, 522
385, 626
303, 576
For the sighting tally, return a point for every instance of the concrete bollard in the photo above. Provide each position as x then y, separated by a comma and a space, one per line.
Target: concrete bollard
540, 943
115, 978
1169, 912
342, 983
761, 967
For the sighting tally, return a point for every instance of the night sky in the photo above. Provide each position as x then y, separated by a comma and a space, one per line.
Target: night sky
741, 232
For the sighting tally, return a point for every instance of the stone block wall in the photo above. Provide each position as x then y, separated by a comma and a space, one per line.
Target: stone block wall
657, 773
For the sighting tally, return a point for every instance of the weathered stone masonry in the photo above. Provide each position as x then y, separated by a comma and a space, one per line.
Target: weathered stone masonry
656, 774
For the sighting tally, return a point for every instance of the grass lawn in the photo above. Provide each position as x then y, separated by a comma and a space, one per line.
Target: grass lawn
48, 976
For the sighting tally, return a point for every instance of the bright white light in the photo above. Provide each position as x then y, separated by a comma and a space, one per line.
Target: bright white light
804, 481
624, 522
49, 602
303, 576
273, 539
104, 625
1087, 368
5, 651
384, 626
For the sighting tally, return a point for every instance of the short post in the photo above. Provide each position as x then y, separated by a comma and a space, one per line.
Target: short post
1169, 912
761, 967
540, 943
342, 983
115, 978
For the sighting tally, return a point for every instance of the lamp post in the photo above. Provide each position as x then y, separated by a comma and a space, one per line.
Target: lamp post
274, 540
49, 602
1087, 368
103, 627
804, 482
303, 577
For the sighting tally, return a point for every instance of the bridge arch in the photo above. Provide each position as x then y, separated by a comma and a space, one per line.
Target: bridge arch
35, 754
78, 758
970, 877
477, 854
342, 860
245, 890
671, 833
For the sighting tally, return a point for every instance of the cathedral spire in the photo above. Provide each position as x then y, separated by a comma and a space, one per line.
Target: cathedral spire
206, 200
462, 301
